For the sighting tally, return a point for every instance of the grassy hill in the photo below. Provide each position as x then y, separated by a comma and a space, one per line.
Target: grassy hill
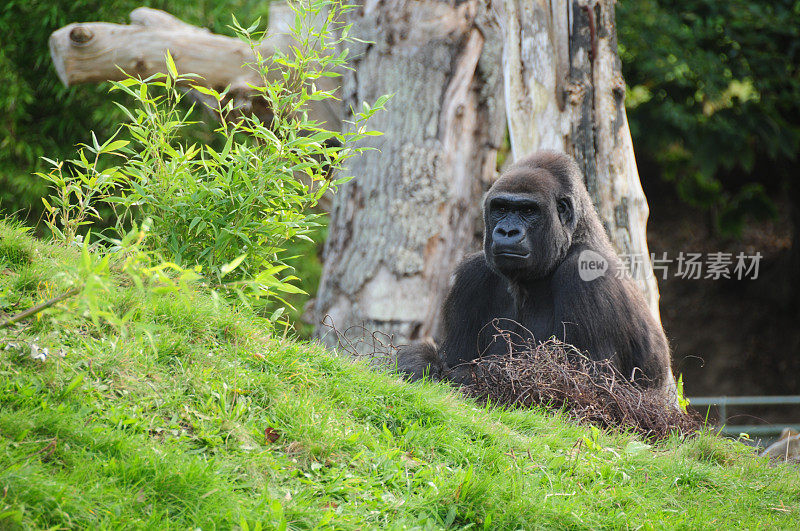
194, 415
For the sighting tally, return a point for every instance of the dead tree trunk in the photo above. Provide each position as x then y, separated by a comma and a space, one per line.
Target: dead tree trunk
398, 229
564, 90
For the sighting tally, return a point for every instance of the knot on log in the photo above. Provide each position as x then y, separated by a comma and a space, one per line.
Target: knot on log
618, 86
80, 35
575, 91
140, 66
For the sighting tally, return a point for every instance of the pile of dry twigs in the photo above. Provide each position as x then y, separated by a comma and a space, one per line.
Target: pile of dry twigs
556, 375
553, 375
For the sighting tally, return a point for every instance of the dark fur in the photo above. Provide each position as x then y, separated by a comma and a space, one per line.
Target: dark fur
606, 317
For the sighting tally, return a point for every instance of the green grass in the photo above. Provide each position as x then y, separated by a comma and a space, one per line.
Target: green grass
172, 424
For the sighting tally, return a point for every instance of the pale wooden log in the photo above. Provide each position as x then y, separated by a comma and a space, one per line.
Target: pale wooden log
95, 51
399, 228
92, 52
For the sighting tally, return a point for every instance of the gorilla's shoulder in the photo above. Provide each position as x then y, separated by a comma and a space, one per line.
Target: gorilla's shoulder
611, 291
475, 286
474, 273
473, 262
575, 265
592, 286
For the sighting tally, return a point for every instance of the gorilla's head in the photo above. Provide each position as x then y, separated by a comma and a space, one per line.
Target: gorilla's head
533, 214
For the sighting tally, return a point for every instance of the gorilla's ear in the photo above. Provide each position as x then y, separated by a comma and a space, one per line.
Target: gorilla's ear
566, 211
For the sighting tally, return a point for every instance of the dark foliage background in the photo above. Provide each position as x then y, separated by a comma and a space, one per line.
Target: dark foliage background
714, 99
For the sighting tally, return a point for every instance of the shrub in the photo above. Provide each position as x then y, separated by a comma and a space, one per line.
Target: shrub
230, 211
712, 101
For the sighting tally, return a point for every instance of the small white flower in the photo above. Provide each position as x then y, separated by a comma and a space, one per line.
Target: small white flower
39, 354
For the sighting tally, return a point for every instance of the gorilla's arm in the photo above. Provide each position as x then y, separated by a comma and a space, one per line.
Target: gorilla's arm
609, 318
477, 296
419, 360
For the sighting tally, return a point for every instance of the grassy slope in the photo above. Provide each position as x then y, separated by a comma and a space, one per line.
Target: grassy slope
166, 427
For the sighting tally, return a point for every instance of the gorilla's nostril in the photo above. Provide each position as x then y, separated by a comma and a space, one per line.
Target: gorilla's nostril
507, 233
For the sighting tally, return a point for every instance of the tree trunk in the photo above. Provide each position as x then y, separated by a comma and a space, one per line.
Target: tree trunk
564, 90
399, 228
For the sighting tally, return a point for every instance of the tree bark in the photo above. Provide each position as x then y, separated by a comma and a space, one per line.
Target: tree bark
92, 52
564, 90
399, 228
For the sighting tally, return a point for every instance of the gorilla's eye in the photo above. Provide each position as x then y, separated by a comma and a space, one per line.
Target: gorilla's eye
528, 210
562, 206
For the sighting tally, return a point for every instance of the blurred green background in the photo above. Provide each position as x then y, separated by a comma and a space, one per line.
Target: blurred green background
714, 99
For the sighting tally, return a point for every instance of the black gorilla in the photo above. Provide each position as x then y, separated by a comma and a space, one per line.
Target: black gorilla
542, 266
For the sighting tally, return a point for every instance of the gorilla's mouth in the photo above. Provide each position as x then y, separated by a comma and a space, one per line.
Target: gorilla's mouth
512, 254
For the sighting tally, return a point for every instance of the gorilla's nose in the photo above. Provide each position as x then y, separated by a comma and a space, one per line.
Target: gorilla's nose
507, 236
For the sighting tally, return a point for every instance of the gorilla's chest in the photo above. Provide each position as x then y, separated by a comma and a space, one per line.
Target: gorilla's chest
525, 315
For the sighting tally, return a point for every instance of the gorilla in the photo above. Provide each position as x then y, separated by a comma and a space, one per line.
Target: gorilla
548, 266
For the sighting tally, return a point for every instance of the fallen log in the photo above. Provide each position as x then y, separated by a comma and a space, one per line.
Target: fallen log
92, 52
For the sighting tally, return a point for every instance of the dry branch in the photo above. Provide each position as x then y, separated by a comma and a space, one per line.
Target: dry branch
377, 348
39, 307
558, 376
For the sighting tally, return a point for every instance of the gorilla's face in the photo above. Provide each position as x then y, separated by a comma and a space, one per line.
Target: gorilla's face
528, 225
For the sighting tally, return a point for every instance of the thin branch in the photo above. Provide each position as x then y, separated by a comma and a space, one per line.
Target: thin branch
40, 307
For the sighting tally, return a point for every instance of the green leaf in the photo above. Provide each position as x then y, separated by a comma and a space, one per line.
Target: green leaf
381, 100
113, 146
194, 222
73, 384
289, 288
254, 26
276, 314
95, 144
207, 91
173, 71
226, 150
230, 266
